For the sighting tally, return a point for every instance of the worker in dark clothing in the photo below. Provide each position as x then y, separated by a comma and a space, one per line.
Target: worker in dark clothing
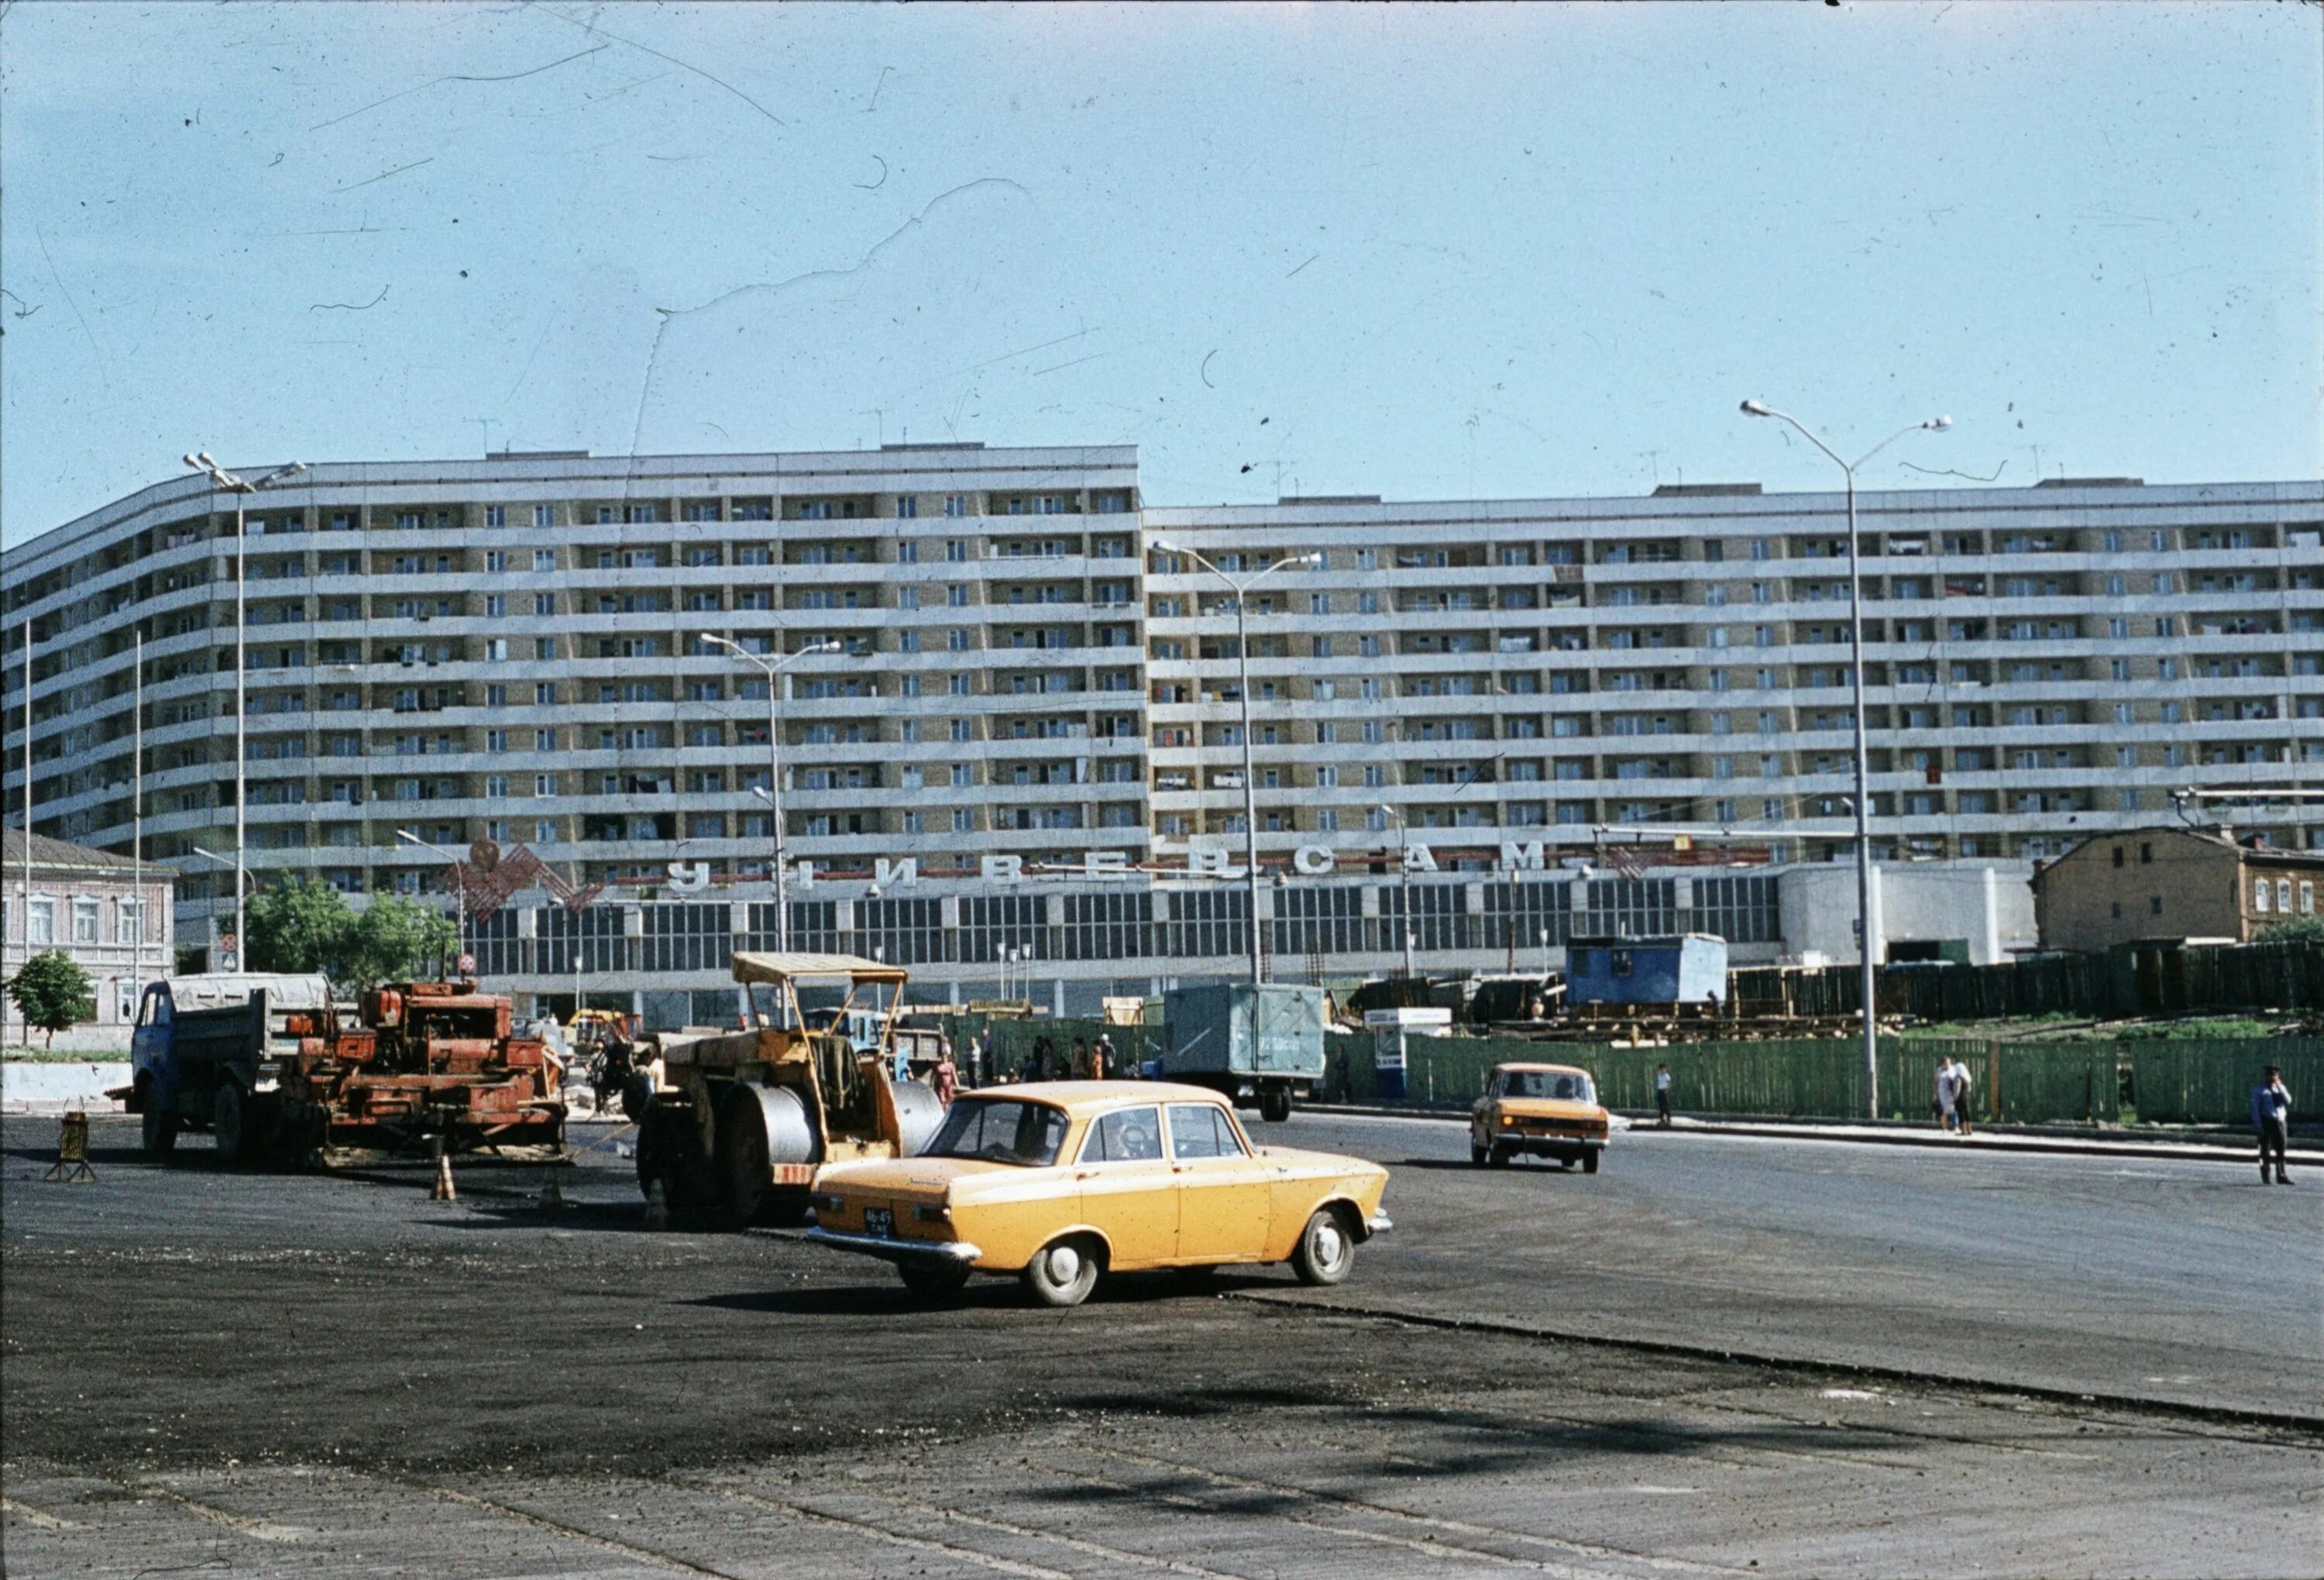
2270, 1113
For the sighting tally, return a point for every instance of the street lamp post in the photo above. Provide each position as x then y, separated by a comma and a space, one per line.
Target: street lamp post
459, 890
1867, 939
241, 489
1404, 883
774, 796
1242, 667
241, 949
137, 818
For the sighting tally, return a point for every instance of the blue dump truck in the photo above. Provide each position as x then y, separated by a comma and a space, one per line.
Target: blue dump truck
1257, 1044
202, 1056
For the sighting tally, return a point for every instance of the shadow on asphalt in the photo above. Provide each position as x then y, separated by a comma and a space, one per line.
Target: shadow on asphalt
1455, 1166
983, 1294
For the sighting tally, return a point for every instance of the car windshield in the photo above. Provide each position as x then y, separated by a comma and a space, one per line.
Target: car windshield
999, 1131
1563, 1086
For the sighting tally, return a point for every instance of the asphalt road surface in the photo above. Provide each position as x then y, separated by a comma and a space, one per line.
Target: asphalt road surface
203, 1372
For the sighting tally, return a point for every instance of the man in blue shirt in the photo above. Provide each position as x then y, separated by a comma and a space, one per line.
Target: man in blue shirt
2270, 1113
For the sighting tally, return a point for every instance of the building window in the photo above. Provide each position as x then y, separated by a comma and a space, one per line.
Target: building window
83, 921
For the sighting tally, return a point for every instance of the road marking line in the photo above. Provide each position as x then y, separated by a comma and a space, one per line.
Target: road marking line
1079, 1544
590, 1537
36, 1518
259, 1529
1556, 1543
865, 1528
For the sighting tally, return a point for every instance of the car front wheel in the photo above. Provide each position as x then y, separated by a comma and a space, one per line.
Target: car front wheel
1589, 1162
1062, 1272
1326, 1250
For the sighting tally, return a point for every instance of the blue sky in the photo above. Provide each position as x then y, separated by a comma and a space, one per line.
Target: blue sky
1422, 252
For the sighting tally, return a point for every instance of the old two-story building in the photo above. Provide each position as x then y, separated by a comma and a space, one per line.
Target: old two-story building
2170, 885
109, 913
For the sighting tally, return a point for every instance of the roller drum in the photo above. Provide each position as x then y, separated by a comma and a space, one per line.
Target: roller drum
790, 1134
918, 1115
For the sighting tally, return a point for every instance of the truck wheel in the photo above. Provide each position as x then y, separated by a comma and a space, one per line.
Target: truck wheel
637, 1092
1326, 1250
228, 1117
159, 1130
741, 1166
657, 1155
933, 1281
1274, 1104
1062, 1272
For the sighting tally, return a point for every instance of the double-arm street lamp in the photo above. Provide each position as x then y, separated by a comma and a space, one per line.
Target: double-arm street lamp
241, 489
1242, 666
459, 889
771, 667
1867, 934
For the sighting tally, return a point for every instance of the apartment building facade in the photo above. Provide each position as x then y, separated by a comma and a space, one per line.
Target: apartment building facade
1478, 728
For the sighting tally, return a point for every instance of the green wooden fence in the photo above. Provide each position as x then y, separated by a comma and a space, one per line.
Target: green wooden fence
2019, 1083
2203, 1082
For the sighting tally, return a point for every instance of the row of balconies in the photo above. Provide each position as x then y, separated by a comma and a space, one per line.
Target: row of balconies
2199, 624
103, 600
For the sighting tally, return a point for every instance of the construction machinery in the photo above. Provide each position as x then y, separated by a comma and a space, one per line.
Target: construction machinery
605, 1043
206, 1051
745, 1119
416, 1064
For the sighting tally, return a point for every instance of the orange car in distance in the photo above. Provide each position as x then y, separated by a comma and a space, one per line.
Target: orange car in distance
1060, 1181
1549, 1111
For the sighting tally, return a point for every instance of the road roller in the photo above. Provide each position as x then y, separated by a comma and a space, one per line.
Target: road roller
745, 1118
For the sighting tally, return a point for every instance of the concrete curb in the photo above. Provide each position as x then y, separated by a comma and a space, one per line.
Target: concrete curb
2097, 1146
2224, 1415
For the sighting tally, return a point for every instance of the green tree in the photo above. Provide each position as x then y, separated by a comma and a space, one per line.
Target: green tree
394, 940
2308, 928
53, 993
296, 927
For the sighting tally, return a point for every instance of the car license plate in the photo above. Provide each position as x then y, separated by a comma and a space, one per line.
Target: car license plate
880, 1221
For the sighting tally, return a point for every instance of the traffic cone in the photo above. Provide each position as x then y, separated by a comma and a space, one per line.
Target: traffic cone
656, 1205
444, 1190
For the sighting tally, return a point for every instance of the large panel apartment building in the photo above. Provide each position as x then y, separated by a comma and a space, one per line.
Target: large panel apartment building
1030, 726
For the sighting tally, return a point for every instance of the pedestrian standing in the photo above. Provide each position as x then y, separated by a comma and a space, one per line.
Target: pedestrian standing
1100, 1057
944, 1077
2270, 1113
1961, 1109
1945, 1092
1662, 1094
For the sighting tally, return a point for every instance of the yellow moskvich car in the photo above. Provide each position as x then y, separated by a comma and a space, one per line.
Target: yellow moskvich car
1550, 1111
1058, 1181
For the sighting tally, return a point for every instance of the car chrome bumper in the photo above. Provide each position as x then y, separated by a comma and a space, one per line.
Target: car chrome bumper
959, 1252
1379, 1223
